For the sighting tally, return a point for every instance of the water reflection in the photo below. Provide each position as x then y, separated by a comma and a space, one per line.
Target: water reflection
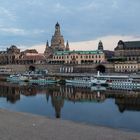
125, 100
116, 108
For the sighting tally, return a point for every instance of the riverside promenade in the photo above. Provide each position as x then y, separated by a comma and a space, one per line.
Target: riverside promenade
23, 126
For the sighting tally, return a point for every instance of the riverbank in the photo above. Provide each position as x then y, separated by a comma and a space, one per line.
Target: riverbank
23, 126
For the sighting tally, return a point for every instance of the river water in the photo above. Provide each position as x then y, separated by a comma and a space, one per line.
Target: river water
97, 105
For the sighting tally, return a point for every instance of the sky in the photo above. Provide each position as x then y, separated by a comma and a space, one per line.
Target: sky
30, 23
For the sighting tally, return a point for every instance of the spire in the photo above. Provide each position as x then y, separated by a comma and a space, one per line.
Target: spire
47, 44
57, 25
100, 46
67, 46
47, 47
57, 41
57, 29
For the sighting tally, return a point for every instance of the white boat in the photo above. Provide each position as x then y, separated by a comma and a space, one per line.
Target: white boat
124, 84
119, 81
98, 80
17, 78
80, 80
88, 81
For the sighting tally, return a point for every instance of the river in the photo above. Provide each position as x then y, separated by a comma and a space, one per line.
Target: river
96, 105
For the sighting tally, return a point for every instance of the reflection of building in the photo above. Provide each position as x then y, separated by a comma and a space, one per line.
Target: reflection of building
29, 91
60, 94
78, 94
57, 103
128, 102
11, 93
57, 43
128, 50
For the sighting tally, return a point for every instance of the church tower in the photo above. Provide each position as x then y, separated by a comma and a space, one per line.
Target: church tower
57, 41
67, 46
100, 46
48, 50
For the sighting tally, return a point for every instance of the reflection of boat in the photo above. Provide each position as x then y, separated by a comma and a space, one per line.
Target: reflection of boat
98, 88
17, 78
124, 85
43, 81
78, 84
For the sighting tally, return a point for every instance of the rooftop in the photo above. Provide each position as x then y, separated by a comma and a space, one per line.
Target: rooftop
132, 44
78, 52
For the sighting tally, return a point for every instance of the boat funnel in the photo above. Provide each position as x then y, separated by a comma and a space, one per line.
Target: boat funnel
98, 73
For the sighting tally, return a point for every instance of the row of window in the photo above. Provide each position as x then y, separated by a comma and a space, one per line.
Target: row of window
126, 67
126, 70
76, 62
73, 57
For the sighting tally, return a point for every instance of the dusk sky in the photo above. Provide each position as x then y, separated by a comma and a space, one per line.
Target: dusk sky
30, 23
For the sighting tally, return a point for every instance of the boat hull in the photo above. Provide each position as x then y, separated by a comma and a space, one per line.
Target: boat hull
42, 81
124, 85
79, 82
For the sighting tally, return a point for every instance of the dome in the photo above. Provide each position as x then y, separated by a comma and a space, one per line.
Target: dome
57, 24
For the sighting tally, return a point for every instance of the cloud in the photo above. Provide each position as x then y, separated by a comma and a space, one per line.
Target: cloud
89, 6
33, 21
21, 32
109, 43
115, 4
7, 14
14, 31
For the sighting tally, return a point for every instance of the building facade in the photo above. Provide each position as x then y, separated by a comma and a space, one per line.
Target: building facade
30, 57
127, 66
10, 55
130, 50
78, 57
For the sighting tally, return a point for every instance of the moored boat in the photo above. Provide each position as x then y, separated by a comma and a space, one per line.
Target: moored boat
124, 84
98, 80
80, 80
17, 78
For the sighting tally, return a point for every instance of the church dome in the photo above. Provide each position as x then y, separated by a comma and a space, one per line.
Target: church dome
57, 24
